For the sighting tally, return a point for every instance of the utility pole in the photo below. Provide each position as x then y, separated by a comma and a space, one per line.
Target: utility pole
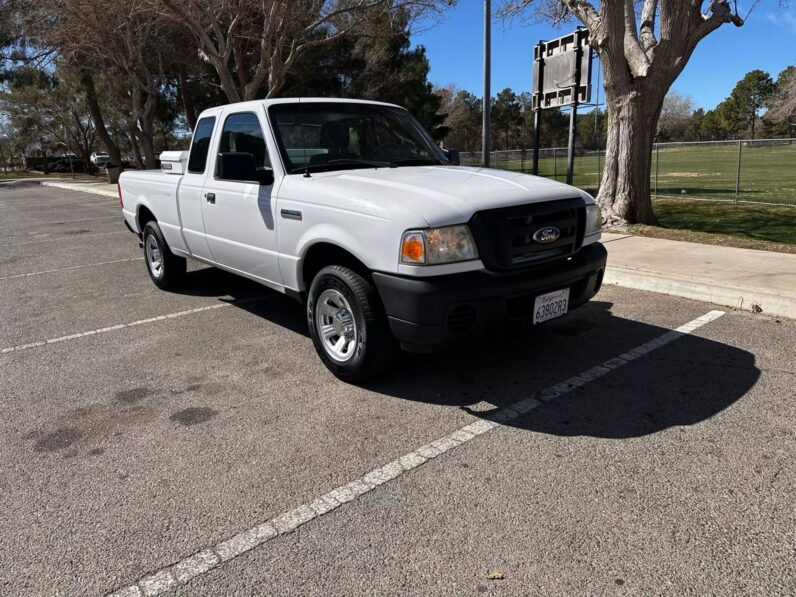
487, 77
66, 144
538, 56
573, 111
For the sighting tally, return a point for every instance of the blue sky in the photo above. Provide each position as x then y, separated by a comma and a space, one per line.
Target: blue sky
767, 41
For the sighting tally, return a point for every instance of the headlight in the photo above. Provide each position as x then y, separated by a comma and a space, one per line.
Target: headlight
594, 219
438, 245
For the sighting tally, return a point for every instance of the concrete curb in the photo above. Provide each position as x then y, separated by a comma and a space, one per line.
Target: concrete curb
89, 187
711, 292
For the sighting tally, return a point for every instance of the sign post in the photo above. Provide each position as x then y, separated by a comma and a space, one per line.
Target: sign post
573, 111
561, 77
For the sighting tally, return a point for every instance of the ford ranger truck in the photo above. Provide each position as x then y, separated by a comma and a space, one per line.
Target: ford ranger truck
351, 208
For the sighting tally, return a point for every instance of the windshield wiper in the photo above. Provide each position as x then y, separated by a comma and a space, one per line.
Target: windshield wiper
353, 161
418, 162
374, 163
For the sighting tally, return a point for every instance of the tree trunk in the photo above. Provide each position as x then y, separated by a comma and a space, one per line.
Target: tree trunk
99, 122
754, 117
625, 191
139, 161
187, 98
142, 124
146, 141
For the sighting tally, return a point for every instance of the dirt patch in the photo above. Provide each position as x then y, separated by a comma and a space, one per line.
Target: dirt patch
59, 439
708, 238
193, 415
133, 395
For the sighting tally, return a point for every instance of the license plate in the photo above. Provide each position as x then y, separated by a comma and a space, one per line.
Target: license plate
550, 305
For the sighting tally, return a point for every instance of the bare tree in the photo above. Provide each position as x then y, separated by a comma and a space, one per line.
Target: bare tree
93, 104
120, 41
642, 52
782, 106
254, 44
675, 116
52, 110
462, 118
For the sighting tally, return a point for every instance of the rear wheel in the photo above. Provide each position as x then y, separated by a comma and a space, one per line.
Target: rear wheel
348, 325
165, 268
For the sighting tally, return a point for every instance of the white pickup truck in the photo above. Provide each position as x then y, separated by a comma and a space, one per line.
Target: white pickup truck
351, 208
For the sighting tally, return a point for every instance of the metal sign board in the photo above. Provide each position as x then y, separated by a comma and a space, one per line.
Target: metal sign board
562, 71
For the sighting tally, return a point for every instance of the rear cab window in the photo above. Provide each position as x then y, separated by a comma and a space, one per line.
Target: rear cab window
200, 146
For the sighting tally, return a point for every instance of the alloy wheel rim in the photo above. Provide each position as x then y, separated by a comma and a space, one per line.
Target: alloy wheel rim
154, 257
336, 325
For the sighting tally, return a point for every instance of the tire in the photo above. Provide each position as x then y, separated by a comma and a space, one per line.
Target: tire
344, 309
165, 268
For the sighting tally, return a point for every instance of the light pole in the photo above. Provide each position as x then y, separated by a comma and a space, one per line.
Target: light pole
487, 91
68, 151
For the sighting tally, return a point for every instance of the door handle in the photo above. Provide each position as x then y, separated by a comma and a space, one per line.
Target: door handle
211, 198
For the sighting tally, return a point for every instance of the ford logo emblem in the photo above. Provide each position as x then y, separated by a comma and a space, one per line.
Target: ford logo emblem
546, 235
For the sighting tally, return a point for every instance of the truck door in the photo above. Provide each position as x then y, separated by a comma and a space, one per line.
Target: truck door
239, 214
189, 194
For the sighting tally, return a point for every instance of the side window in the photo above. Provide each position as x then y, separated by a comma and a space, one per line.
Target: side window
197, 159
242, 135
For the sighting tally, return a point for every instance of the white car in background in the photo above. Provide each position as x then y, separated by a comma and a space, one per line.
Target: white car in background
350, 207
100, 159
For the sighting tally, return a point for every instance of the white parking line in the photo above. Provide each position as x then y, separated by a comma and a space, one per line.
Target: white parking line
120, 326
209, 558
64, 269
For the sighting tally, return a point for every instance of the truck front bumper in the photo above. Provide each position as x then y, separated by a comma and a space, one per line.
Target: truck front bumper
426, 314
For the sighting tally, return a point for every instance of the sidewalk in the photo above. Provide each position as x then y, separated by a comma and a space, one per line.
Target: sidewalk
96, 188
739, 278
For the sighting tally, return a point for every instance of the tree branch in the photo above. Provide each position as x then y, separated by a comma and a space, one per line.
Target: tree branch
584, 11
636, 57
720, 13
647, 28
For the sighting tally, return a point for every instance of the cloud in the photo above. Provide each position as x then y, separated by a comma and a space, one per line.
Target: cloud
783, 19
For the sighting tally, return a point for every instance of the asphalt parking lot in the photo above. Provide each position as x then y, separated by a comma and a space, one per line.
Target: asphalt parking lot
156, 426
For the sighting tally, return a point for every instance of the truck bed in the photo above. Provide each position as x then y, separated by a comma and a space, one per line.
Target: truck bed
156, 191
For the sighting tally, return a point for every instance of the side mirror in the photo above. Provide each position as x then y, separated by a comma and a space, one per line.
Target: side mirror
240, 166
265, 176
453, 156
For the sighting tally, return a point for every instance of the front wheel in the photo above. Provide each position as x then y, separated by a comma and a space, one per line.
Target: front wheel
348, 325
164, 267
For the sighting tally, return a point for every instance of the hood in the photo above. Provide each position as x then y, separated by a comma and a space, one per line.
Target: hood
440, 195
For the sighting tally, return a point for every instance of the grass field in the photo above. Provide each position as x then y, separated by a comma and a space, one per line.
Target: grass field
750, 226
15, 175
768, 174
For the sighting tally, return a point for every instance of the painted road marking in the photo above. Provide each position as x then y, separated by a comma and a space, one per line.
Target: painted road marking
209, 558
121, 326
64, 269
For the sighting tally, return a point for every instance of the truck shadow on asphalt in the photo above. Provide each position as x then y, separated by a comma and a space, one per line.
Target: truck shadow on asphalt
240, 292
682, 383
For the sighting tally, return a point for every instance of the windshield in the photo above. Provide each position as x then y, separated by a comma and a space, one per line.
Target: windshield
325, 136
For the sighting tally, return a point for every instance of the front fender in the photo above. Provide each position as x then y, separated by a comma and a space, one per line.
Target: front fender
373, 241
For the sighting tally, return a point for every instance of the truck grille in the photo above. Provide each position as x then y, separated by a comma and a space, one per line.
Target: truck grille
505, 236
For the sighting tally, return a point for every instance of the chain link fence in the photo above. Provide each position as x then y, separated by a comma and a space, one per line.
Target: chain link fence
760, 171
